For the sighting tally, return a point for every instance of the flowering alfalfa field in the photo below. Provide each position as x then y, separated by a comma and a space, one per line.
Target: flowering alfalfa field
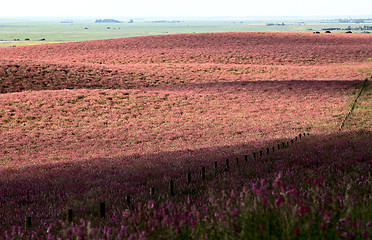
102, 142
186, 58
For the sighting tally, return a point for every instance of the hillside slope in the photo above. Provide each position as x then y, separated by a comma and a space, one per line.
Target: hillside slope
186, 59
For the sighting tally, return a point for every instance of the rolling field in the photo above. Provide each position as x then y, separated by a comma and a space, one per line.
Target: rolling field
84, 30
106, 121
186, 59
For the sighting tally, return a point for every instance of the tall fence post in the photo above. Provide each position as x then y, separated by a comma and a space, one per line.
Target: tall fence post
227, 164
203, 173
171, 187
102, 209
69, 215
128, 200
188, 178
27, 222
215, 167
152, 191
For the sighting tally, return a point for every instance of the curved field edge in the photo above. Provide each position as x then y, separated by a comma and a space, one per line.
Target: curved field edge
71, 125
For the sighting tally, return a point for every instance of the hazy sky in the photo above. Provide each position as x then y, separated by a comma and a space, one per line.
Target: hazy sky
183, 8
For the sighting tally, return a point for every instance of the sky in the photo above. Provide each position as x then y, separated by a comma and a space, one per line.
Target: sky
184, 8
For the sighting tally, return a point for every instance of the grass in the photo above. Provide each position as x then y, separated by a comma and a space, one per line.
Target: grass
54, 31
76, 148
362, 113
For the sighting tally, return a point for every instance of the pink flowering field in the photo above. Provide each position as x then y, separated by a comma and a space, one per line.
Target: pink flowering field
186, 59
107, 121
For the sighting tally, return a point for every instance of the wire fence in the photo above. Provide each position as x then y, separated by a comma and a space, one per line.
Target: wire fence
216, 168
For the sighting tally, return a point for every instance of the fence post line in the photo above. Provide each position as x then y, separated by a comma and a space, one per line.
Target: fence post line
102, 209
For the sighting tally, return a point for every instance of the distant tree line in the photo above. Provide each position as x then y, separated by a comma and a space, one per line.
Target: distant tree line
275, 24
108, 21
351, 20
361, 28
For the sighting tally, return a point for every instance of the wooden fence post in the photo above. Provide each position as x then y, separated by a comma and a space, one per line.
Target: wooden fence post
237, 162
27, 222
215, 167
254, 155
188, 178
273, 149
227, 164
102, 209
278, 146
203, 172
246, 158
152, 191
128, 200
171, 187
267, 151
69, 215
